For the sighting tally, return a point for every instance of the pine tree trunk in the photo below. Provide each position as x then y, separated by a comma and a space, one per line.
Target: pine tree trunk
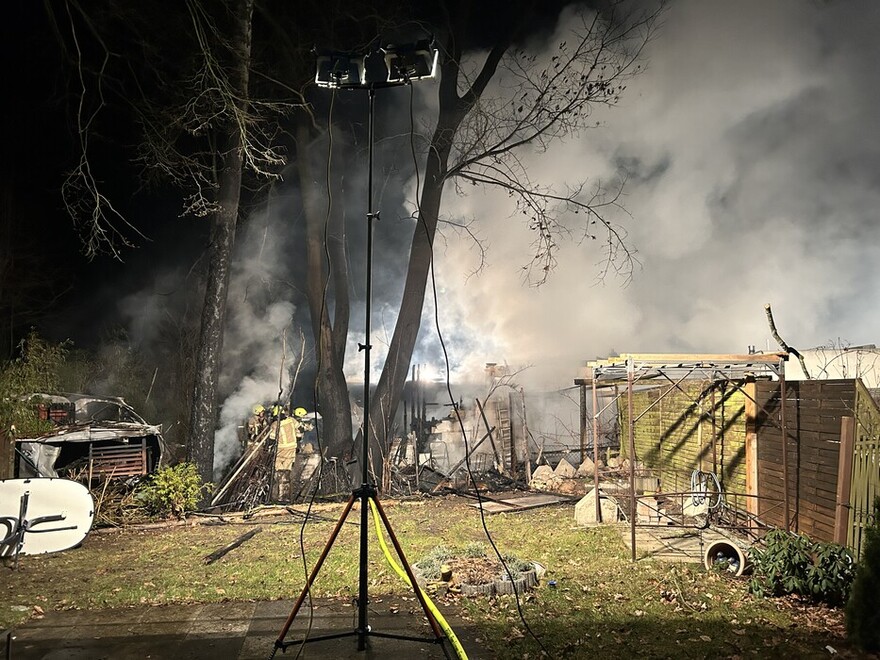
223, 222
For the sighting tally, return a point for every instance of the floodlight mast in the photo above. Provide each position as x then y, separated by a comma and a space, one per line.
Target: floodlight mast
349, 71
368, 489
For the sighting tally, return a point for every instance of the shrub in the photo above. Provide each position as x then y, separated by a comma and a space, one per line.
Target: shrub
862, 613
35, 370
429, 565
474, 549
793, 564
173, 490
516, 565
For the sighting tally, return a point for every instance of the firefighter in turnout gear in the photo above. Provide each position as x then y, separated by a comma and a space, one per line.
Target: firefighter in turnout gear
289, 431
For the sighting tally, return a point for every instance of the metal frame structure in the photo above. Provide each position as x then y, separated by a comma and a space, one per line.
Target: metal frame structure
634, 369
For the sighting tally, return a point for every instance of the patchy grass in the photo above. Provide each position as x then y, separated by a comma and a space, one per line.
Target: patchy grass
601, 602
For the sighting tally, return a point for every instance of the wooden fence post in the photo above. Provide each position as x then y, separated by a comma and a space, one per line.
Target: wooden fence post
751, 410
844, 480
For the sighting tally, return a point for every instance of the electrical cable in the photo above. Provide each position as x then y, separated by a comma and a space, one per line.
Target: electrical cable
315, 390
700, 482
452, 400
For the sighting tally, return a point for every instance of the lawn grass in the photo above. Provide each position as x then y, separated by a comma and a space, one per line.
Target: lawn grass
601, 604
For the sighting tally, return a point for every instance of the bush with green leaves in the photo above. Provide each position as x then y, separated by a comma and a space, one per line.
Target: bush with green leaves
793, 564
862, 612
35, 370
172, 491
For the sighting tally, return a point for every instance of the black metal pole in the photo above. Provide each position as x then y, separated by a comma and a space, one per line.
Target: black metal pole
367, 489
630, 377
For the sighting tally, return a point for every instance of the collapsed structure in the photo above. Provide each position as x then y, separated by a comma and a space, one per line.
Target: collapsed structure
100, 437
278, 457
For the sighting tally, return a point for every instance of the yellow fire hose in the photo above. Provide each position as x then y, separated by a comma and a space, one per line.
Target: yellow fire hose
450, 634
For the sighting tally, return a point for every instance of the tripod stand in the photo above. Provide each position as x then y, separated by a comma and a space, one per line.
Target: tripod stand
367, 493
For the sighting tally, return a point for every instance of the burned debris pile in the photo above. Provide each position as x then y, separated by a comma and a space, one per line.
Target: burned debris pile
278, 459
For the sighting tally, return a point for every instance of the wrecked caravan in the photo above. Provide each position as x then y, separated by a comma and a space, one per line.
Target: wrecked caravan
94, 437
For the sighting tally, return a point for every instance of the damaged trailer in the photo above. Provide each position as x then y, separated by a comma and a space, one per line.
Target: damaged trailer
93, 437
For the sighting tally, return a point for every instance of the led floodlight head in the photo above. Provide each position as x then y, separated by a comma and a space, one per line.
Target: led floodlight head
411, 62
339, 70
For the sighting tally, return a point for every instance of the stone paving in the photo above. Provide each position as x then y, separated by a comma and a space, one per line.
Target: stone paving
240, 631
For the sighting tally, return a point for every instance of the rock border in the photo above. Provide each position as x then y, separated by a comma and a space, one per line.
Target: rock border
525, 581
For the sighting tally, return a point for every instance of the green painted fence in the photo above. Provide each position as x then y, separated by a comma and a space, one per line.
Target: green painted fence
865, 484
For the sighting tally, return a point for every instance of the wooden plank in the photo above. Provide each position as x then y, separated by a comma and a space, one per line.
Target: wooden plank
756, 358
519, 503
217, 554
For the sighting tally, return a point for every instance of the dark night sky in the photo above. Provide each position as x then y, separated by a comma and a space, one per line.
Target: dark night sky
40, 149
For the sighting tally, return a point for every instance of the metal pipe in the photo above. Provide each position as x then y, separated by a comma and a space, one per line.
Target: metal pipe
595, 447
307, 588
630, 372
783, 395
583, 411
663, 395
363, 595
714, 433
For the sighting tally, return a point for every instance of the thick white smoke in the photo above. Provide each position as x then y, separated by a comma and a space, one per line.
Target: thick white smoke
260, 344
752, 179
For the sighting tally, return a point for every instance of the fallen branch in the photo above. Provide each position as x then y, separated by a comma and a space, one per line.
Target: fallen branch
217, 554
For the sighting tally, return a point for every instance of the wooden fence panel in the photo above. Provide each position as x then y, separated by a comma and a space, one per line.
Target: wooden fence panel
813, 410
699, 425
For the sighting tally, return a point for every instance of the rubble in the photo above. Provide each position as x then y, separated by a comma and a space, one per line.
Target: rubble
565, 470
544, 478
585, 509
587, 468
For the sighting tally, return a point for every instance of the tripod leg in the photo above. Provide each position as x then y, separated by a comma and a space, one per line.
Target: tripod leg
314, 573
406, 567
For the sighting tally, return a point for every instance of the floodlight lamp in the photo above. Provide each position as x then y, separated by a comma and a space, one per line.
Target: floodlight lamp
339, 70
408, 63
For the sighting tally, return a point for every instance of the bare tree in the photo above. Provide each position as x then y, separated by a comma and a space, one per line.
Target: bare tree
201, 129
490, 114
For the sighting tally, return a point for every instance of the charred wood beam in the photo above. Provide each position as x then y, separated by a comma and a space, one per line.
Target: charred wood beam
217, 554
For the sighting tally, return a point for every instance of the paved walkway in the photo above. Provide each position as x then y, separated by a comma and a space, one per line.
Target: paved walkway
676, 544
232, 630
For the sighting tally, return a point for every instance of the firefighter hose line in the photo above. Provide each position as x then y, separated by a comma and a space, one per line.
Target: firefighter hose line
450, 634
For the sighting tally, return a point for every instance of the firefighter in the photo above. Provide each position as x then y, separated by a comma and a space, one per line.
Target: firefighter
290, 430
255, 422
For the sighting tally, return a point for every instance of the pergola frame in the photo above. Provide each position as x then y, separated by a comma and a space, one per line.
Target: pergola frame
632, 369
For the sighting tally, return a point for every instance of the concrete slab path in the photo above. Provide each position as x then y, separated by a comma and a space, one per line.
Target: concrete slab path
241, 631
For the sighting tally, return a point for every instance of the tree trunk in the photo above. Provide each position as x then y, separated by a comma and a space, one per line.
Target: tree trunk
223, 222
452, 110
325, 241
389, 389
